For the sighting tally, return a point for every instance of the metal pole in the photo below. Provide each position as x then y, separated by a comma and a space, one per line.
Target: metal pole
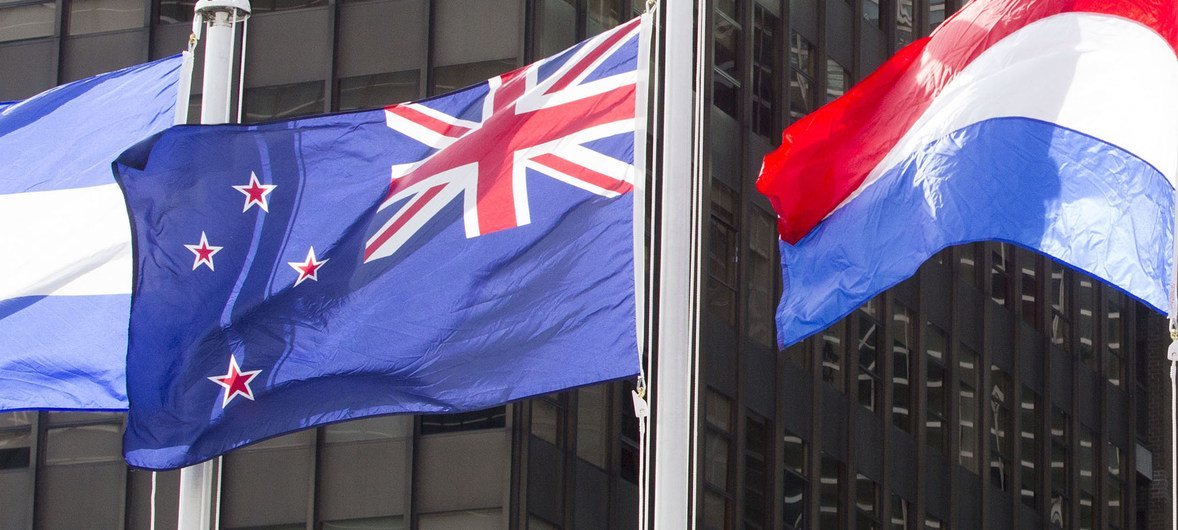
200, 485
674, 391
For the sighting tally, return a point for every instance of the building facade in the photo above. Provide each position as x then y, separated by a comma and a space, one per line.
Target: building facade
995, 389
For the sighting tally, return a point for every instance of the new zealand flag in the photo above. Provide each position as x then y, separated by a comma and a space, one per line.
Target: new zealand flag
286, 277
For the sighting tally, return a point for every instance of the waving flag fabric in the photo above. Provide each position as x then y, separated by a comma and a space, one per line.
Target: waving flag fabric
65, 276
1051, 124
441, 256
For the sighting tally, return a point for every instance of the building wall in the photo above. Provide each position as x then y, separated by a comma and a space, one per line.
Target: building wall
995, 389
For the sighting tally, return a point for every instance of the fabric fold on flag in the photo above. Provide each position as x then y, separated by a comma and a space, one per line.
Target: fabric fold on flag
1011, 122
65, 280
441, 256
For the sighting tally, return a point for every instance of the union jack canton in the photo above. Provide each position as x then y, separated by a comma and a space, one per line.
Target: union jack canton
538, 117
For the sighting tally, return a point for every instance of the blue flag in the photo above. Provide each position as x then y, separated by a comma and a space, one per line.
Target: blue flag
441, 256
65, 280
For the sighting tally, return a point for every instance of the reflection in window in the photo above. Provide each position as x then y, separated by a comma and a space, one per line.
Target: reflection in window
28, 21
97, 16
1029, 287
764, 107
722, 253
1115, 487
966, 266
1001, 258
1061, 327
756, 474
1060, 468
834, 353
1029, 415
283, 101
603, 15
593, 424
548, 418
871, 12
367, 429
262, 6
803, 91
726, 57
1086, 484
902, 518
866, 503
717, 461
456, 76
936, 13
795, 485
905, 23
868, 384
15, 439
762, 275
628, 437
970, 379
838, 80
903, 370
936, 388
829, 515
1114, 335
377, 90
1085, 318
492, 418
556, 26
1000, 429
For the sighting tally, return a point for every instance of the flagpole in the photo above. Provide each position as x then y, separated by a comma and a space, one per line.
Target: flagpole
200, 485
676, 367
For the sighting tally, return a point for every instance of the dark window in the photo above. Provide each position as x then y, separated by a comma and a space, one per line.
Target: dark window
871, 12
628, 437
548, 415
762, 277
27, 21
795, 484
1115, 487
15, 439
968, 403
593, 424
722, 253
967, 264
98, 16
764, 108
830, 514
718, 497
173, 11
1001, 259
756, 474
803, 91
1086, 483
905, 22
1060, 468
868, 381
378, 90
492, 418
902, 518
903, 367
1114, 335
456, 76
866, 503
834, 353
936, 13
1001, 431
1086, 319
937, 388
1032, 468
283, 101
1061, 304
603, 15
1029, 287
262, 6
726, 69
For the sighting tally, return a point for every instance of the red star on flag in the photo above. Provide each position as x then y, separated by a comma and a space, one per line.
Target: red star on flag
204, 252
255, 193
309, 269
236, 382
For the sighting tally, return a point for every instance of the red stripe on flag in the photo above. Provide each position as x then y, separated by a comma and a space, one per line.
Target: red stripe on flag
827, 155
582, 173
588, 60
418, 203
427, 121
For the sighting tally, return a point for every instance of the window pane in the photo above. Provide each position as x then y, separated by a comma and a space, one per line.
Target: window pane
547, 419
936, 13
27, 21
764, 107
868, 381
838, 80
84, 444
379, 428
936, 387
756, 474
603, 15
96, 16
1000, 429
1061, 327
1029, 287
493, 418
834, 353
1000, 259
903, 330
1029, 423
262, 6
283, 101
173, 11
1060, 440
904, 22
762, 272
900, 513
454, 77
871, 12
803, 95
829, 516
593, 424
970, 379
1114, 334
1085, 320
377, 90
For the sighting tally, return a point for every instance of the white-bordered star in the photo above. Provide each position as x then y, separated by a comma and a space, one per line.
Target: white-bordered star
256, 193
204, 252
309, 269
235, 382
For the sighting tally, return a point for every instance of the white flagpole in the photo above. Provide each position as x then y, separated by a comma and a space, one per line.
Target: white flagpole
674, 393
200, 485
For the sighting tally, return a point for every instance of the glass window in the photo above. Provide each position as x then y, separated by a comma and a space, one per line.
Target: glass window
834, 353
1085, 318
722, 253
492, 418
1060, 440
1029, 287
84, 444
968, 403
903, 331
97, 16
378, 428
556, 26
627, 436
548, 419
1115, 487
868, 384
795, 485
764, 108
1001, 431
717, 461
173, 11
936, 388
829, 515
967, 264
593, 424
901, 514
871, 12
936, 13
726, 57
1086, 483
866, 503
932, 523
603, 15
762, 277
756, 474
27, 21
1061, 327
1000, 262
378, 90
456, 76
1029, 423
15, 439
803, 95
838, 80
283, 101
905, 22
1114, 335
262, 6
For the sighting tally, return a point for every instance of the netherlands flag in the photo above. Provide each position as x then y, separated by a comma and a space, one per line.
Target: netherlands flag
1050, 124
